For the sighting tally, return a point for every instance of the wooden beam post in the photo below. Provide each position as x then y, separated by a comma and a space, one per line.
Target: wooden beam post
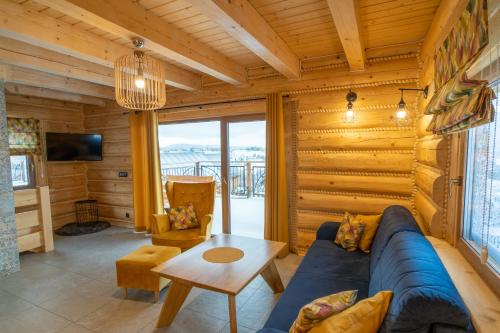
41, 30
247, 26
128, 19
346, 17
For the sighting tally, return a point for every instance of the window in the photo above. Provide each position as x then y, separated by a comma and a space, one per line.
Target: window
22, 171
481, 224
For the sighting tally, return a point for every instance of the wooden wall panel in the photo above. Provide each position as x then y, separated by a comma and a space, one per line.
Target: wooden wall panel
432, 153
372, 161
369, 183
431, 182
431, 214
349, 140
360, 167
343, 202
67, 180
114, 194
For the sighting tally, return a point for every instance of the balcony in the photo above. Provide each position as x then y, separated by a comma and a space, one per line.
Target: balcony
247, 181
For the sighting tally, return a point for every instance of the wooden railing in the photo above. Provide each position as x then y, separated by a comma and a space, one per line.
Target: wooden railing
33, 220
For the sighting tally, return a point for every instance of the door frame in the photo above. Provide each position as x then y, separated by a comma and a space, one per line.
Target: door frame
224, 158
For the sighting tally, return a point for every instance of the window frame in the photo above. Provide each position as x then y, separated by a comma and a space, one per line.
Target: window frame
31, 173
457, 216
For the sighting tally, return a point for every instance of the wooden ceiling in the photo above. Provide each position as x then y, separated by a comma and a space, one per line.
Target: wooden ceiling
290, 32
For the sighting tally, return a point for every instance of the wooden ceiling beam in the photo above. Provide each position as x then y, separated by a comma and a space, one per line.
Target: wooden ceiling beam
346, 17
247, 26
17, 22
20, 89
13, 52
29, 77
127, 19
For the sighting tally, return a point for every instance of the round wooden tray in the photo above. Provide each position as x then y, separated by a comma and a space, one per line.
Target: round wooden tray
223, 255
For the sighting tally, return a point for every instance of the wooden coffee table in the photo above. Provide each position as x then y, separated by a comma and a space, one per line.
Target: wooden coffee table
190, 269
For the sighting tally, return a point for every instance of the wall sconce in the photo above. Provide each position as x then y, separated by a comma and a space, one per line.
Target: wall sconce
402, 111
350, 114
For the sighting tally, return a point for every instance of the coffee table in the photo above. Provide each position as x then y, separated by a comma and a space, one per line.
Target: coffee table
190, 269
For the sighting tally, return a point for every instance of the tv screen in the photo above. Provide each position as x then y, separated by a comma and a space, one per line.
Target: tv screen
73, 147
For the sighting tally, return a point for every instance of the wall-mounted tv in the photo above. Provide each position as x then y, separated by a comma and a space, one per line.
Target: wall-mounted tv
73, 147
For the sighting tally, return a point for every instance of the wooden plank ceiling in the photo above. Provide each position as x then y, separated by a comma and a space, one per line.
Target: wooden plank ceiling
306, 27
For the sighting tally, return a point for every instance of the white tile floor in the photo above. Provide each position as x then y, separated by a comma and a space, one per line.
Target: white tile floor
73, 290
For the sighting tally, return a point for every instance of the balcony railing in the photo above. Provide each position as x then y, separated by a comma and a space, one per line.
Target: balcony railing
246, 179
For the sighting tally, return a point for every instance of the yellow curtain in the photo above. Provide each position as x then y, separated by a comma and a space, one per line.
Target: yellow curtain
276, 207
148, 196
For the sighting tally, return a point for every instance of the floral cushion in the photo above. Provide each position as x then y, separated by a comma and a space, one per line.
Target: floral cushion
366, 316
349, 233
183, 217
313, 313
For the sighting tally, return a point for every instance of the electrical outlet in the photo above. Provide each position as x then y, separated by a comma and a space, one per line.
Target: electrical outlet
122, 174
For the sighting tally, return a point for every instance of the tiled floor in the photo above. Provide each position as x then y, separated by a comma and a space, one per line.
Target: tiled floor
73, 290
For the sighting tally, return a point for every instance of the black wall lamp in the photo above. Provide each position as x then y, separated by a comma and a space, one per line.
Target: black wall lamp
402, 112
350, 115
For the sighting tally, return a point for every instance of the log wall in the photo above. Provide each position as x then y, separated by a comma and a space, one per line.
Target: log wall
360, 167
431, 176
113, 193
67, 180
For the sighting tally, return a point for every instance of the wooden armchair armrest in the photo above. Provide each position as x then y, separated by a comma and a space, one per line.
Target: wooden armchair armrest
206, 226
161, 224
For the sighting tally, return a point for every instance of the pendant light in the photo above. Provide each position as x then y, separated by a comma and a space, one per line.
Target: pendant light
350, 114
402, 117
139, 80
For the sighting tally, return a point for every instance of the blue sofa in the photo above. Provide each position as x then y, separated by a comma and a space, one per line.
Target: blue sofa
401, 260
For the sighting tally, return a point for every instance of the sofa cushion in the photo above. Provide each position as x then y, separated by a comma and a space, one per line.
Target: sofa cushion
326, 269
321, 308
424, 294
394, 220
366, 316
349, 233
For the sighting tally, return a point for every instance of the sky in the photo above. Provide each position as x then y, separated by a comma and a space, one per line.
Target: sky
208, 133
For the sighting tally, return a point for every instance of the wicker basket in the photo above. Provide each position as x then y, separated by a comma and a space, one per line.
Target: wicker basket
86, 211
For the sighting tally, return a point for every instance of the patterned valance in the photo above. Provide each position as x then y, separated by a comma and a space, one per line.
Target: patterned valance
460, 103
24, 136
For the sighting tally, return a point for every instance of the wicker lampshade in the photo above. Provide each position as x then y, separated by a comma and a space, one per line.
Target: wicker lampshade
139, 81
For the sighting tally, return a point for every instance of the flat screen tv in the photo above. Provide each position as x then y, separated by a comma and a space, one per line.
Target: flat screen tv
73, 147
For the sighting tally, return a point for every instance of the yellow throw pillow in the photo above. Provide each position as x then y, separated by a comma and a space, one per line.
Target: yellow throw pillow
321, 308
349, 233
366, 316
371, 223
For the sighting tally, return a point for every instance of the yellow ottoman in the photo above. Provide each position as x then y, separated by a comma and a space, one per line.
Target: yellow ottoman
134, 270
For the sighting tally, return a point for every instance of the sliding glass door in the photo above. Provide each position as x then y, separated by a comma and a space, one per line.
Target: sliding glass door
192, 149
232, 151
247, 175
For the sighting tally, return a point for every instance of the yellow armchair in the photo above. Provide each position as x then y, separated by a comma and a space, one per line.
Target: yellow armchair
202, 196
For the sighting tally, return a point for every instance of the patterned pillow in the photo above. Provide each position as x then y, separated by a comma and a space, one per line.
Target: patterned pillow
183, 217
349, 233
313, 313
365, 316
